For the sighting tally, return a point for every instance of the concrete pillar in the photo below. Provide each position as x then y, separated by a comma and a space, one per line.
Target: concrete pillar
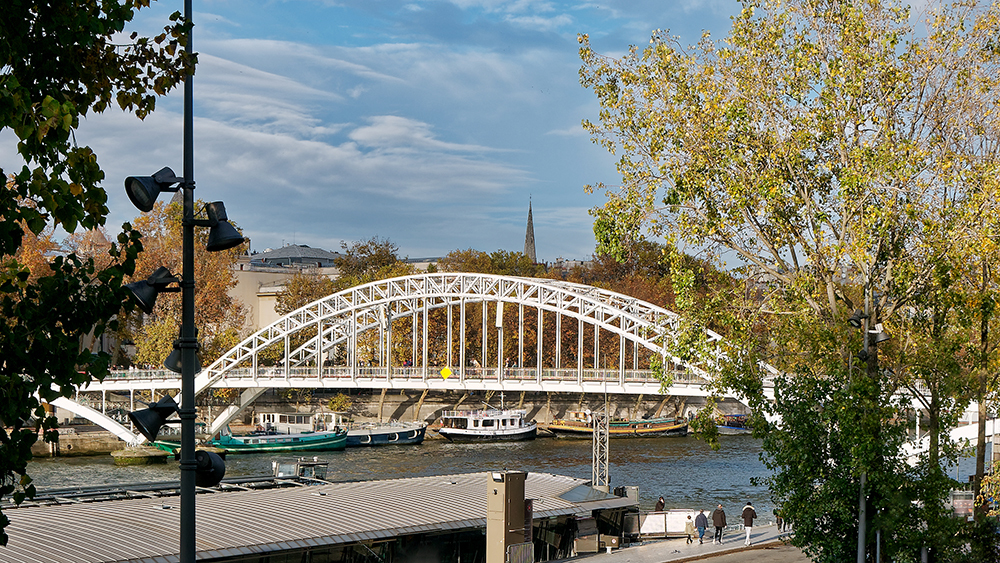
507, 522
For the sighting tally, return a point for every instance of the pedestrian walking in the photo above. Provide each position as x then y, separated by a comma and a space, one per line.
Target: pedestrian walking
689, 529
748, 517
778, 521
719, 520
659, 505
701, 522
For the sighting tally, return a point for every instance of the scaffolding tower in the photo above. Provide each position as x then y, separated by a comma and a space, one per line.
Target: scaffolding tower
599, 454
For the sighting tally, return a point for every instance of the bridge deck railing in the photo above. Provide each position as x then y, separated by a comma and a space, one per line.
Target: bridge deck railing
415, 374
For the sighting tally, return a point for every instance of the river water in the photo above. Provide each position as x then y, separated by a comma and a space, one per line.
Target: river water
684, 470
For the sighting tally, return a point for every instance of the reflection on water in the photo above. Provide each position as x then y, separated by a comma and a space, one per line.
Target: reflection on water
684, 470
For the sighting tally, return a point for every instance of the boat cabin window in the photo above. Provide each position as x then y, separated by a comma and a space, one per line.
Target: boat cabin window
294, 419
454, 423
488, 423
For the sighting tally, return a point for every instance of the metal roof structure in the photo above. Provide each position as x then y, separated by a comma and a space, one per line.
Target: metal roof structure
260, 521
296, 254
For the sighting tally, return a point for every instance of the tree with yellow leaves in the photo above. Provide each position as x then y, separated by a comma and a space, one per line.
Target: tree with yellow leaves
828, 149
221, 318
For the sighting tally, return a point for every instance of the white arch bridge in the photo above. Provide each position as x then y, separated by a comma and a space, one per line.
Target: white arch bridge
438, 331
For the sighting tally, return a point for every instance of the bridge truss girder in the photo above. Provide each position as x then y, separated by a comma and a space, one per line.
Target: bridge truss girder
338, 320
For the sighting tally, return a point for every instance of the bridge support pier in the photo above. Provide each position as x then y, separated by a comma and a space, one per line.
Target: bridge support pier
635, 410
420, 403
663, 403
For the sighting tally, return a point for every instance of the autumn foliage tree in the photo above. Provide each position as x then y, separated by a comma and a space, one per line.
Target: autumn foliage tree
59, 62
836, 155
301, 289
221, 318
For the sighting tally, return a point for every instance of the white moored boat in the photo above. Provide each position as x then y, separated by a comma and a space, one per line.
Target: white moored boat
489, 425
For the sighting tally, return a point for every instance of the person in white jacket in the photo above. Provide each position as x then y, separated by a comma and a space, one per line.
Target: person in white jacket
748, 516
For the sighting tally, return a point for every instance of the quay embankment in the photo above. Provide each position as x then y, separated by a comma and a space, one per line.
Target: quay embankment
767, 545
77, 439
91, 440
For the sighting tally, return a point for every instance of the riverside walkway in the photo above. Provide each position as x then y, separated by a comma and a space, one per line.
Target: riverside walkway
677, 550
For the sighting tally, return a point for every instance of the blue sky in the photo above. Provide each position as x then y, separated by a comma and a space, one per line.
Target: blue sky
428, 123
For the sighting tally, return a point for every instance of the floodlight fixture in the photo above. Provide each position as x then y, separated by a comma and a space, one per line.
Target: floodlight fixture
173, 361
222, 235
143, 190
150, 420
857, 319
145, 291
878, 335
211, 468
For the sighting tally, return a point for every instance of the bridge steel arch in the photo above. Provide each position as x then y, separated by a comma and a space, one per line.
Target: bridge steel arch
339, 319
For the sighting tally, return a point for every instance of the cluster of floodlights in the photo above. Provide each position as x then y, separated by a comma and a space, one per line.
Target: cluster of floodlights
877, 335
143, 191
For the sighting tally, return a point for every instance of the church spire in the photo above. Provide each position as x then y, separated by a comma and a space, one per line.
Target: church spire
529, 238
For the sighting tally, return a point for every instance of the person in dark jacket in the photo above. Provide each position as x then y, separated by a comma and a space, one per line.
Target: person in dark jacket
659, 505
719, 520
701, 522
748, 517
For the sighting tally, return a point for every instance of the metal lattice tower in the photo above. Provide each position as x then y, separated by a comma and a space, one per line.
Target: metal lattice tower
599, 455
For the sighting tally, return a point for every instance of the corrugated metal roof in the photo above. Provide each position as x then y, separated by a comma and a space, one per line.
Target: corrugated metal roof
244, 522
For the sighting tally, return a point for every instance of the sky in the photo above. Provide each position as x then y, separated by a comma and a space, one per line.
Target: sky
429, 123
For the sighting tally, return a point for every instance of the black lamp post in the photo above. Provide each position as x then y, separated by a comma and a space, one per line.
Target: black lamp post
868, 355
142, 191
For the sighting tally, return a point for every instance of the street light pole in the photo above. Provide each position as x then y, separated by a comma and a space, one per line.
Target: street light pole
188, 342
203, 469
862, 504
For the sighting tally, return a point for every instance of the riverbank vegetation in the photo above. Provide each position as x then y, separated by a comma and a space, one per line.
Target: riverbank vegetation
61, 62
840, 160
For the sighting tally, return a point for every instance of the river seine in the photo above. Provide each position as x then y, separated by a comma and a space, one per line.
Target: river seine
684, 470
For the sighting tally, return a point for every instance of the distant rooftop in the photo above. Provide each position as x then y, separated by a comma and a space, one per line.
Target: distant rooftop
296, 255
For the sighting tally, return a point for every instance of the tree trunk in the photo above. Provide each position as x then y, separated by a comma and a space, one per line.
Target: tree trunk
986, 311
934, 429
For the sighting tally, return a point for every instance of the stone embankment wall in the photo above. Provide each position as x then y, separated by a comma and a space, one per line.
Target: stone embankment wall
408, 405
76, 442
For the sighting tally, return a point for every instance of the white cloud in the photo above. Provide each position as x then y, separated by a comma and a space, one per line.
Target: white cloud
306, 63
389, 131
541, 23
317, 121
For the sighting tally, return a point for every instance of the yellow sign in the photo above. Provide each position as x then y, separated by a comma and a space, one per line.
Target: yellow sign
445, 373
